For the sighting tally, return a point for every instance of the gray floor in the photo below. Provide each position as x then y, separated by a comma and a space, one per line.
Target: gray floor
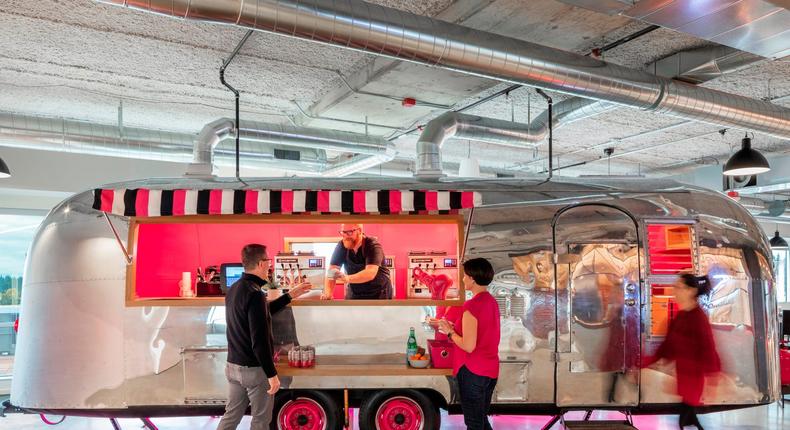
764, 417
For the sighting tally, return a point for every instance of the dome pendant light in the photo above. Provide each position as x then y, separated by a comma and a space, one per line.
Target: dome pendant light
778, 241
746, 161
4, 171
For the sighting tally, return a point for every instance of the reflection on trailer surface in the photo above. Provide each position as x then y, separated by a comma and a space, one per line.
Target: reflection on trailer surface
583, 278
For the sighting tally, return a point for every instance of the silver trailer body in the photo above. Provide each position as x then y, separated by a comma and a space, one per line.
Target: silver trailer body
82, 351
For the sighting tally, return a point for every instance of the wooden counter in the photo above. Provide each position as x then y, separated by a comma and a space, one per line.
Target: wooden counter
335, 366
220, 301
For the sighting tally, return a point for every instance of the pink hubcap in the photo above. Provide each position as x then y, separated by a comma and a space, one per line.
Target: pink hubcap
302, 414
400, 413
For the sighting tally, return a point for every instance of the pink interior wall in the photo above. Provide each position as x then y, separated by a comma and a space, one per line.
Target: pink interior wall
165, 250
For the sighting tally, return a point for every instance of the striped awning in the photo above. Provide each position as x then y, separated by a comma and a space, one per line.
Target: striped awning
143, 202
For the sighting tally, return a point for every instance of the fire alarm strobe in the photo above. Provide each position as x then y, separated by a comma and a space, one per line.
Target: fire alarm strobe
408, 102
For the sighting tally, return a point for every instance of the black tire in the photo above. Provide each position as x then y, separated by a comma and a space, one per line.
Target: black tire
332, 411
370, 408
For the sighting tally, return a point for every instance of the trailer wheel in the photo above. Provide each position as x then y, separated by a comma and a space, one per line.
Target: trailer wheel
309, 410
399, 410
52, 421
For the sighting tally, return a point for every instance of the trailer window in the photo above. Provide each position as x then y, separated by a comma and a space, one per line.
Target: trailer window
670, 251
669, 248
165, 251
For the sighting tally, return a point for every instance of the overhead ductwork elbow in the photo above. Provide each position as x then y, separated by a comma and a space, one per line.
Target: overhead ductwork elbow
371, 150
206, 142
495, 131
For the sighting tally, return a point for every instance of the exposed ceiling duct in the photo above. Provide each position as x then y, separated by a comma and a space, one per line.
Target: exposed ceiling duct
471, 127
765, 209
263, 145
385, 31
370, 150
694, 66
699, 65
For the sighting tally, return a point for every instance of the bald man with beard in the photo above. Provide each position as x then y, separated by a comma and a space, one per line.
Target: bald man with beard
363, 259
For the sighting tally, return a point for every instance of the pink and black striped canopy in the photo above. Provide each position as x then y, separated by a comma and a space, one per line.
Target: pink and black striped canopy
143, 202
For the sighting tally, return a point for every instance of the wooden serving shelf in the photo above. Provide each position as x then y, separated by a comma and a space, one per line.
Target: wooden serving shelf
342, 366
220, 301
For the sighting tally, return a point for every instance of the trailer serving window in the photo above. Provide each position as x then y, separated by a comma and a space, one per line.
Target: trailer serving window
178, 236
167, 250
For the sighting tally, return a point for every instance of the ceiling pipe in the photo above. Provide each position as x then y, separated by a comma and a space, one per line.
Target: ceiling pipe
371, 150
259, 140
389, 32
765, 208
499, 132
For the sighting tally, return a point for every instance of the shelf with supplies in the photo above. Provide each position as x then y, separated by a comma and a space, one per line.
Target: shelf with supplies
220, 301
341, 365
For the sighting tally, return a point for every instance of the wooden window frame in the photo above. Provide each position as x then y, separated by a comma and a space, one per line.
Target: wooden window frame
134, 222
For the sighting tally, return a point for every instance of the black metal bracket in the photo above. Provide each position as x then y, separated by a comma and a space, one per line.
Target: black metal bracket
235, 94
551, 129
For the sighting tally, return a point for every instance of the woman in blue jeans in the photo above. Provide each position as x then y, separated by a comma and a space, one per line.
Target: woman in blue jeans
475, 335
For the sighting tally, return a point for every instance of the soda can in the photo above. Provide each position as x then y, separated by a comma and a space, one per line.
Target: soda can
293, 357
304, 357
310, 356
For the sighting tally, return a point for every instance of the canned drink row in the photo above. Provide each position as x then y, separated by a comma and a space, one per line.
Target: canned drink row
302, 356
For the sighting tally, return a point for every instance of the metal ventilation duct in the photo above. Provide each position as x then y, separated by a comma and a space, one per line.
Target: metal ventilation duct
385, 31
505, 133
372, 150
694, 66
258, 142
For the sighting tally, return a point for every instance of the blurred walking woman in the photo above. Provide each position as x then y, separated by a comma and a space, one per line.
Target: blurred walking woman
689, 343
475, 334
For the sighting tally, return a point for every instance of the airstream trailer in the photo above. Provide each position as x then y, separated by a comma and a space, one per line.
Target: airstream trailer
106, 331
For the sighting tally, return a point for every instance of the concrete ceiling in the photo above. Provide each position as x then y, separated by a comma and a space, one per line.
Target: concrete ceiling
81, 59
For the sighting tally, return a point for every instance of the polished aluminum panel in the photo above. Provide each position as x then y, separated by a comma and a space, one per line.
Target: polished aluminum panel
597, 247
757, 26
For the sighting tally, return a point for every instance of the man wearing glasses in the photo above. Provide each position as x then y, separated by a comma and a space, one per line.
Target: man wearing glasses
250, 369
363, 259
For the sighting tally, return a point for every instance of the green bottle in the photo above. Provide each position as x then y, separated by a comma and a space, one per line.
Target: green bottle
411, 345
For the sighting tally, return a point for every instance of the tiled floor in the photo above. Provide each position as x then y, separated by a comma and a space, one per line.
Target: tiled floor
764, 417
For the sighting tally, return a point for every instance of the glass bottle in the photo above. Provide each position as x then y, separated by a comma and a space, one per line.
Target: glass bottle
411, 345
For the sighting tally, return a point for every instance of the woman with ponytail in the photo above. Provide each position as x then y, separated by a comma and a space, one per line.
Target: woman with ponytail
689, 343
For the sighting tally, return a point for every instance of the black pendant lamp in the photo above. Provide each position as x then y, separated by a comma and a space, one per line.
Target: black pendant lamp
746, 161
778, 241
4, 171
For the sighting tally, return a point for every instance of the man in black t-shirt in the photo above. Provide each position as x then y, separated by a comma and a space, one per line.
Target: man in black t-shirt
363, 259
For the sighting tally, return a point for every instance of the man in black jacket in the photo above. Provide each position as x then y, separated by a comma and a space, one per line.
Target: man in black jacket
250, 369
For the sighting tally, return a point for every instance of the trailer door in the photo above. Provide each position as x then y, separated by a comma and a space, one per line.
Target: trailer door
598, 278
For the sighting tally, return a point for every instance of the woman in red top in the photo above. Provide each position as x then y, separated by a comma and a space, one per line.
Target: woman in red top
689, 343
476, 337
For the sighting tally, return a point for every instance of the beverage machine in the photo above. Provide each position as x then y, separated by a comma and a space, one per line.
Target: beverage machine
389, 263
291, 269
432, 275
